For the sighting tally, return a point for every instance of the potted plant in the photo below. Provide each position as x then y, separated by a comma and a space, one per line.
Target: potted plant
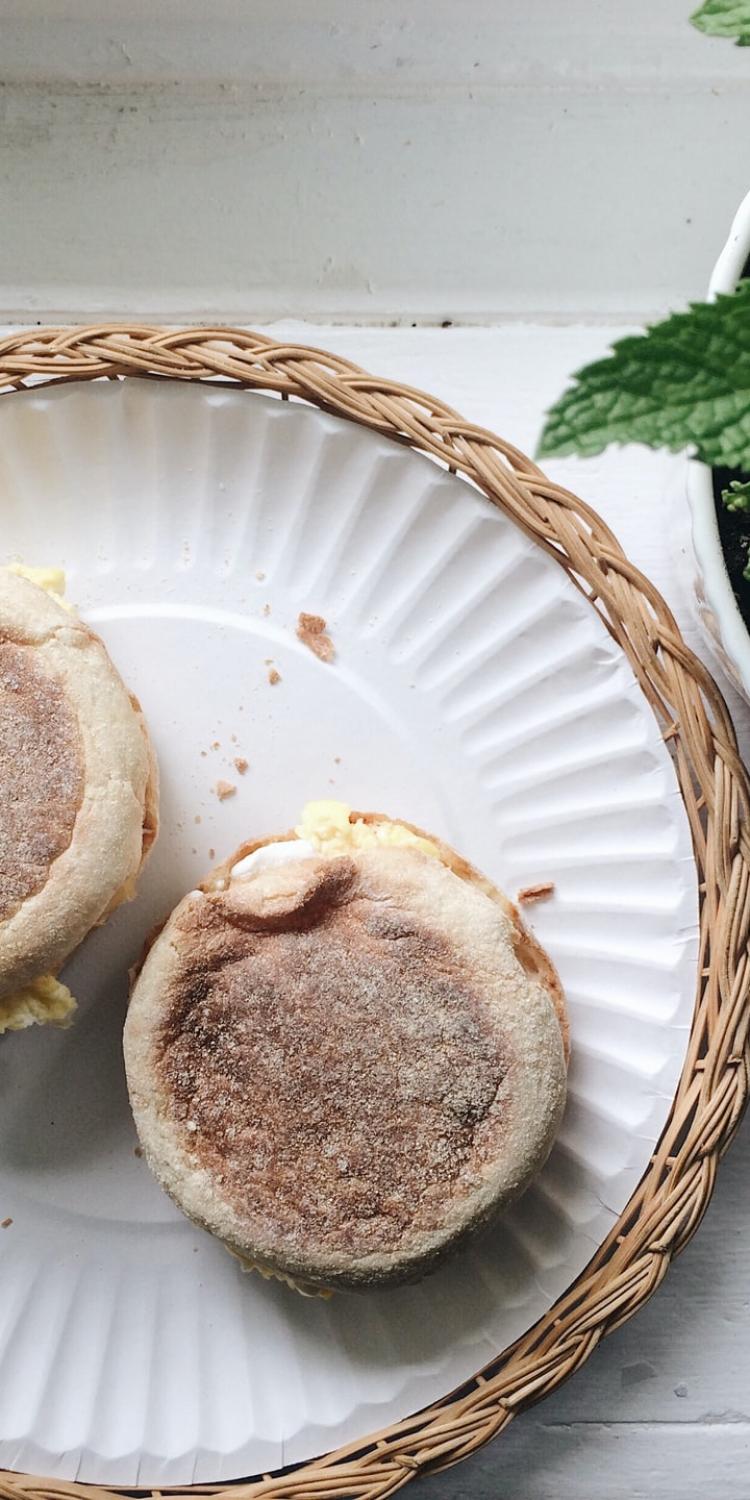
685, 383
720, 528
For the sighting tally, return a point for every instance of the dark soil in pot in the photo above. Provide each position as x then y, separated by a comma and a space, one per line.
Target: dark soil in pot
734, 532
734, 528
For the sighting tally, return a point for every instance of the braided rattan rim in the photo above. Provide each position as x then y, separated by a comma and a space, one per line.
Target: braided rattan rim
672, 1197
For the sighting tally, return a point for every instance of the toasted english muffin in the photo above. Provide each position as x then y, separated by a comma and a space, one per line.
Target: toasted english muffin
345, 1053
78, 796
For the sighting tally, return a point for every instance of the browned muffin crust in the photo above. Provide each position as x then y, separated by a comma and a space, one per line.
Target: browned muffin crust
361, 1029
42, 759
79, 784
343, 1065
529, 952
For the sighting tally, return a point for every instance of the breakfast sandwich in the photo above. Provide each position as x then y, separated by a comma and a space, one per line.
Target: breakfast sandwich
345, 1053
78, 800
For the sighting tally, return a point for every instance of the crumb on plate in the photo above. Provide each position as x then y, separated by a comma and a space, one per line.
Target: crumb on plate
311, 631
240, 764
274, 676
541, 892
225, 789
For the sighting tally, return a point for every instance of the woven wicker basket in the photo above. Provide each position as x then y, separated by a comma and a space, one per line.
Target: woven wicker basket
674, 1192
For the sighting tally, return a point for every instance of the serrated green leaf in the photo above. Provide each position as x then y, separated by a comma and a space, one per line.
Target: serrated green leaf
684, 382
736, 496
729, 18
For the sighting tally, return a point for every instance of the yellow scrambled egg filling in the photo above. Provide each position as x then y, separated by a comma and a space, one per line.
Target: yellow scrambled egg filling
304, 1288
326, 826
52, 580
43, 1002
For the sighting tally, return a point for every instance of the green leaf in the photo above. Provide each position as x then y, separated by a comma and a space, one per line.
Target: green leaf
685, 381
736, 496
724, 18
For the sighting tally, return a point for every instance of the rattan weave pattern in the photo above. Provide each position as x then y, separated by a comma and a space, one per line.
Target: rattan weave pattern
674, 1192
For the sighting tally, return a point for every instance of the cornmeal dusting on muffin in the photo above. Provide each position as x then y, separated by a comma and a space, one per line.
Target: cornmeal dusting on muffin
391, 1044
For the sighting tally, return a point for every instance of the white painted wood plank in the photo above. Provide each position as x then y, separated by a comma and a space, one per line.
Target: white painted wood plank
603, 1463
382, 162
427, 42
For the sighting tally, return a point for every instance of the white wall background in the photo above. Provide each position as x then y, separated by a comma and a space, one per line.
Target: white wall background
364, 160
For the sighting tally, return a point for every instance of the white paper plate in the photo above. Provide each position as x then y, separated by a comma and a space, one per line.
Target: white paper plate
476, 693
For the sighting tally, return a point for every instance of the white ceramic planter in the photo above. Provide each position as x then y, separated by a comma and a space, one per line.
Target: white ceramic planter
717, 606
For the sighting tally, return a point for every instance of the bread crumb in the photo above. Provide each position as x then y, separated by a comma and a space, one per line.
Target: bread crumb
233, 739
138, 1151
197, 818
260, 576
541, 892
216, 745
204, 752
311, 631
212, 853
240, 764
6, 1223
268, 661
274, 677
225, 789
337, 760
266, 609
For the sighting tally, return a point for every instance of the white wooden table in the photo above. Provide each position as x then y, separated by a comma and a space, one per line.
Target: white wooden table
662, 1410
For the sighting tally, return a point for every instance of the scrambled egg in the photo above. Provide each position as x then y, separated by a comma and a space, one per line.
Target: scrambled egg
44, 1001
326, 826
303, 1287
52, 580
